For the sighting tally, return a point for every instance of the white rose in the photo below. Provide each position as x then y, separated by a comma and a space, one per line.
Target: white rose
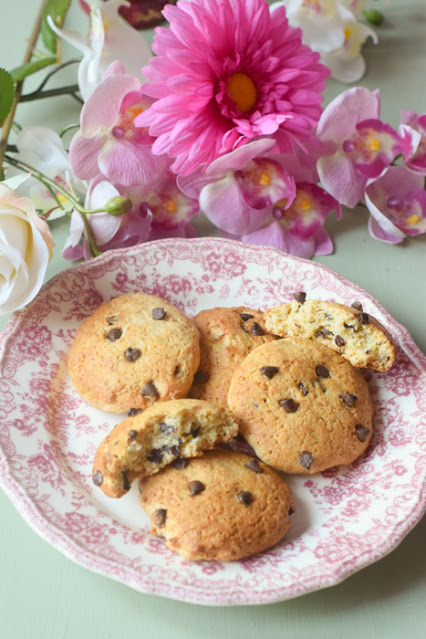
25, 249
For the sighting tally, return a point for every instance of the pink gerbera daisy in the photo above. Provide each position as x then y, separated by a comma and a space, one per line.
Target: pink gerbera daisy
225, 72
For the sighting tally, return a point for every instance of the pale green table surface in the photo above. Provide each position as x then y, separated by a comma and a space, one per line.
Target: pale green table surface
43, 595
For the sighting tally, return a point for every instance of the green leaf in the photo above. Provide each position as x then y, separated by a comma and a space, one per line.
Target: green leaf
7, 92
19, 73
57, 10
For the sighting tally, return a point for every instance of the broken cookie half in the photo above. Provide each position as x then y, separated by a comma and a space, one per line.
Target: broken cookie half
147, 441
348, 330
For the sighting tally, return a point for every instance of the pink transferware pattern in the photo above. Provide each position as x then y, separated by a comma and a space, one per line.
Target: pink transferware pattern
345, 518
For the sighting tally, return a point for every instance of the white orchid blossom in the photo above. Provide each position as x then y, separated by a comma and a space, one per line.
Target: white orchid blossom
110, 38
43, 149
331, 28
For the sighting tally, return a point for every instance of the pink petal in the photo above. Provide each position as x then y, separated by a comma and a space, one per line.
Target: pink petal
123, 162
339, 177
223, 205
84, 154
101, 110
341, 116
264, 182
278, 236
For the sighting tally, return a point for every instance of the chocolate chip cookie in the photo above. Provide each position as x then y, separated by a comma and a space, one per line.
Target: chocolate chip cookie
227, 336
302, 407
145, 442
133, 351
222, 506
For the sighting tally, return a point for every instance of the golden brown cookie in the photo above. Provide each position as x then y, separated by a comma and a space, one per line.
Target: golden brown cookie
302, 407
145, 442
227, 336
222, 506
350, 331
133, 351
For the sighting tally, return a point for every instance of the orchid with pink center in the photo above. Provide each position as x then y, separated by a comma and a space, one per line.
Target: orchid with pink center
413, 123
239, 189
109, 142
359, 145
110, 38
225, 73
397, 203
169, 207
299, 229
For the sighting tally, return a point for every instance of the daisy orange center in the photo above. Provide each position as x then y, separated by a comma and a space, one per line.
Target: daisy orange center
243, 91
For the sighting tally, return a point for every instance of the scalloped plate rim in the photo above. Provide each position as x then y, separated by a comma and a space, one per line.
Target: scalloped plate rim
99, 565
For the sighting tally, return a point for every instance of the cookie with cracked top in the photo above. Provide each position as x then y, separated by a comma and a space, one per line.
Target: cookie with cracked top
312, 413
227, 336
349, 330
133, 351
220, 507
165, 433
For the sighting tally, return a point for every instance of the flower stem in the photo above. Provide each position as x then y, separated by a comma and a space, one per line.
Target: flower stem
50, 184
7, 125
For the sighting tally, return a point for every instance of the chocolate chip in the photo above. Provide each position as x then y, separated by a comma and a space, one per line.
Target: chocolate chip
245, 497
155, 456
300, 297
256, 329
195, 487
322, 371
176, 371
349, 326
201, 377
303, 389
126, 483
158, 313
253, 465
173, 449
339, 340
306, 459
323, 332
166, 429
159, 516
357, 305
246, 316
195, 431
362, 432
132, 354
180, 463
132, 434
134, 411
291, 511
289, 405
149, 390
114, 334
97, 478
363, 318
111, 319
269, 371
348, 399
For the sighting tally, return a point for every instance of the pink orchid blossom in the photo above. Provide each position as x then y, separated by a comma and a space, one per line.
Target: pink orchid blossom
109, 231
299, 229
397, 204
360, 145
227, 72
169, 207
416, 160
109, 142
239, 189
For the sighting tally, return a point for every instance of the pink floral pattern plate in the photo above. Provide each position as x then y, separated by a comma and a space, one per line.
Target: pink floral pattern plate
344, 519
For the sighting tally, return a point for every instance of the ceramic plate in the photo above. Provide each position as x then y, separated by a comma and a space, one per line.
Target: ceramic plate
345, 518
